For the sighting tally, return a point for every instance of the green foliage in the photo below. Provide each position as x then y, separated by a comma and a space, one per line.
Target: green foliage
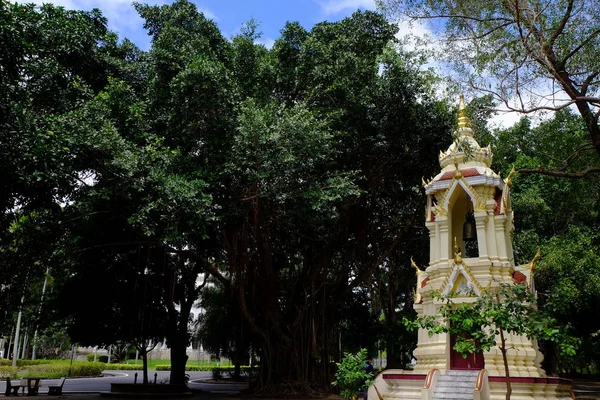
25, 363
351, 376
52, 342
508, 309
229, 369
124, 367
567, 274
50, 369
77, 369
8, 372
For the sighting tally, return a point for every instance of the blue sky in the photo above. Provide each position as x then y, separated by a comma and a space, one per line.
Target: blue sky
228, 14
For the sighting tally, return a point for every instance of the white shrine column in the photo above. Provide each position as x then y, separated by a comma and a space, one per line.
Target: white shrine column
490, 230
499, 221
509, 227
444, 238
434, 255
481, 223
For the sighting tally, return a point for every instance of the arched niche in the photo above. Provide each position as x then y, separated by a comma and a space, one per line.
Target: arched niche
459, 202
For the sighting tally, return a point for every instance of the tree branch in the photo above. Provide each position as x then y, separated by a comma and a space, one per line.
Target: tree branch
581, 45
586, 83
560, 174
563, 22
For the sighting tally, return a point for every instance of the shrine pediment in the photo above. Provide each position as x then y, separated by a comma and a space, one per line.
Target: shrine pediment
460, 281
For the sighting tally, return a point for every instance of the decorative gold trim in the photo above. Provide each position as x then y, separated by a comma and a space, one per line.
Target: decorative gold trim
439, 208
480, 202
475, 281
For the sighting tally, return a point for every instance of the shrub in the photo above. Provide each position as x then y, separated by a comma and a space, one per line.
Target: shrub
125, 367
228, 371
102, 359
90, 357
351, 376
8, 372
167, 367
6, 363
87, 369
246, 370
217, 373
57, 370
24, 363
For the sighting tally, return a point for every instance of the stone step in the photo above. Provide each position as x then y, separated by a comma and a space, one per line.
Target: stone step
456, 385
452, 396
455, 388
445, 378
462, 372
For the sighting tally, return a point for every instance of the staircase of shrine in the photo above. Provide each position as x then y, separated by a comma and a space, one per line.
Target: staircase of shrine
456, 385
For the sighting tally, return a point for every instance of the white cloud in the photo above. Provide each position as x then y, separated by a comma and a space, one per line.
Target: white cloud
332, 7
267, 42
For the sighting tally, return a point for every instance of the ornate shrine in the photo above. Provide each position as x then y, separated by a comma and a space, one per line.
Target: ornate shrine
470, 221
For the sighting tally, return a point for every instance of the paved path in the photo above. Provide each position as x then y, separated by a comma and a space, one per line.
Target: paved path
102, 384
88, 388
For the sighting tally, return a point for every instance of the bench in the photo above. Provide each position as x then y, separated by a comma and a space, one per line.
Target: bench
56, 390
10, 387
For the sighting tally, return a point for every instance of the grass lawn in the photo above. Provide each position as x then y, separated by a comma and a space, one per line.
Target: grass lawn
153, 363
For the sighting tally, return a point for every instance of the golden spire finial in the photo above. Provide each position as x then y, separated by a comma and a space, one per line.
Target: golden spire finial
463, 119
457, 252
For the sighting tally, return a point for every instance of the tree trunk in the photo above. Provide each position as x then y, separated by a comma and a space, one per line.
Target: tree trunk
178, 358
145, 365
239, 350
505, 359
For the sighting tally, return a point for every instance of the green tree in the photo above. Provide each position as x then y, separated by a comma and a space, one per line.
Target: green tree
524, 53
508, 309
568, 238
275, 171
52, 61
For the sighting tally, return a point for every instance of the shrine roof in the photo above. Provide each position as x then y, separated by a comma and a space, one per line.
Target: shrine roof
465, 172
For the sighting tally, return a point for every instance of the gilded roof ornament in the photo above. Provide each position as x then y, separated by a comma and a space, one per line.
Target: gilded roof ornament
508, 179
419, 271
457, 173
533, 264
